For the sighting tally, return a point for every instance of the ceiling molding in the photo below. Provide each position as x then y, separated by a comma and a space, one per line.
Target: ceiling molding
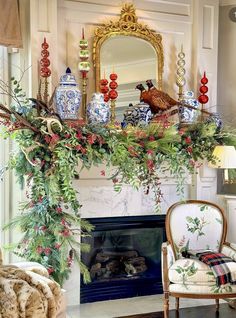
178, 8
227, 2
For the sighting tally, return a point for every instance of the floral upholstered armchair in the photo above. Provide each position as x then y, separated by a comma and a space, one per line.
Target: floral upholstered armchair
27, 291
194, 228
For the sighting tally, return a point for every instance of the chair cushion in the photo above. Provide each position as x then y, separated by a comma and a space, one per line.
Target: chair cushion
201, 289
191, 271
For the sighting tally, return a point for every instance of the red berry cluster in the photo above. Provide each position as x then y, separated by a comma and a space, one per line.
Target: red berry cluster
104, 89
203, 98
45, 62
113, 85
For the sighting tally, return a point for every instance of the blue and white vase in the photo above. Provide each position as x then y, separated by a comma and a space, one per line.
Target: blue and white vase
188, 115
98, 111
138, 115
216, 119
68, 97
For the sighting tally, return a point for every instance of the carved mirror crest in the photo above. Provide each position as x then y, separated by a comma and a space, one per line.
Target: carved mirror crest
130, 46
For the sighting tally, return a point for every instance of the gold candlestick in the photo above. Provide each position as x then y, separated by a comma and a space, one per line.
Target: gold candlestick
84, 67
113, 111
45, 94
84, 99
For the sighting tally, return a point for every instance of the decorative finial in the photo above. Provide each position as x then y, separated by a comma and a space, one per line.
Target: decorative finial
180, 79
45, 71
68, 70
203, 98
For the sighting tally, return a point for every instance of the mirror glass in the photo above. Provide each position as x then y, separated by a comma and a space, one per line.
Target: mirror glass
134, 60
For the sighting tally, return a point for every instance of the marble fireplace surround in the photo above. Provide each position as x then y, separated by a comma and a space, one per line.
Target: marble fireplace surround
99, 199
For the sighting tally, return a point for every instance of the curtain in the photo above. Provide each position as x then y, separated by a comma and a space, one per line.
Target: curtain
10, 32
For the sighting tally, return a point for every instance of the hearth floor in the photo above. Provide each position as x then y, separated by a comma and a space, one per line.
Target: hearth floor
129, 306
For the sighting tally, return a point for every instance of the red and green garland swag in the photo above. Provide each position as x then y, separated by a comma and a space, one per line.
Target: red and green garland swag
47, 161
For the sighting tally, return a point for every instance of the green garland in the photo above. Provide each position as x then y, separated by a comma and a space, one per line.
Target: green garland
47, 162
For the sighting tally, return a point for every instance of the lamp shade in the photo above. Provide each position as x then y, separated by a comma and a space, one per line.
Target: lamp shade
225, 157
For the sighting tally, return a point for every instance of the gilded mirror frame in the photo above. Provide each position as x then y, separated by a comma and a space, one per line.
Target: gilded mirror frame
127, 25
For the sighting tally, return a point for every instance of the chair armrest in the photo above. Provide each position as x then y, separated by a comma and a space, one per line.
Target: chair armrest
233, 246
229, 249
170, 253
167, 260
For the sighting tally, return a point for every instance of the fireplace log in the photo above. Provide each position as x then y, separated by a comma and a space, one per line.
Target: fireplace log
102, 257
141, 268
136, 261
105, 256
113, 266
96, 270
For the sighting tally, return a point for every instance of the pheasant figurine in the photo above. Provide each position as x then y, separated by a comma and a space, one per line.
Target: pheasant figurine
157, 100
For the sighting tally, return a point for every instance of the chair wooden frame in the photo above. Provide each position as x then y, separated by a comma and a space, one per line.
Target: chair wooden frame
166, 281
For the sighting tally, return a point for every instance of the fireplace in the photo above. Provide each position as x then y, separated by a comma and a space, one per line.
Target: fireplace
125, 257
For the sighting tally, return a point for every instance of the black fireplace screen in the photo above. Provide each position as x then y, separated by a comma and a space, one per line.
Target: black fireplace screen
126, 254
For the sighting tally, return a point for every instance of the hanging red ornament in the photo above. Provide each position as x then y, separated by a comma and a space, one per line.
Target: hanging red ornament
113, 94
203, 89
106, 98
203, 98
113, 76
113, 85
45, 62
45, 72
45, 45
204, 79
103, 81
44, 53
104, 89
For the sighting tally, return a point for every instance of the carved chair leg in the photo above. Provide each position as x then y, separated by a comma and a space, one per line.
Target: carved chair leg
166, 305
177, 303
217, 304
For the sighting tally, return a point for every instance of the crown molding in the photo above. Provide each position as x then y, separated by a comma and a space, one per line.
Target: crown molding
227, 2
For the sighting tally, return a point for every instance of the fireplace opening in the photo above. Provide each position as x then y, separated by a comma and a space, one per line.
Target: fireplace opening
125, 257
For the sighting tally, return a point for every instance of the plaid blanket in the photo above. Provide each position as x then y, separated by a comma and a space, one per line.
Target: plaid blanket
218, 264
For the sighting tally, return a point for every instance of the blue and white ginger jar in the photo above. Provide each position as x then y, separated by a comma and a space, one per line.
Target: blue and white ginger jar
138, 115
98, 111
68, 97
216, 119
187, 115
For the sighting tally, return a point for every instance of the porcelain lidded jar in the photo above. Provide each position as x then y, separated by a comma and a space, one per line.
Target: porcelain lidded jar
128, 117
98, 111
68, 97
138, 115
188, 115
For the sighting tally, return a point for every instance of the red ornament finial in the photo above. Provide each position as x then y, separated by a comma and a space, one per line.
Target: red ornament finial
104, 88
203, 98
45, 62
113, 85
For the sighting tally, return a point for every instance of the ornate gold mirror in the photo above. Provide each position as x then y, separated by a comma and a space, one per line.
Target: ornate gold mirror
130, 49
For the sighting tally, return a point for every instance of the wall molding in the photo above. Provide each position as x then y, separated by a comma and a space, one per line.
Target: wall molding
227, 3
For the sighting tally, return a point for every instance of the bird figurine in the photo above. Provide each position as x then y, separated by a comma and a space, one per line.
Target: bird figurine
144, 95
157, 100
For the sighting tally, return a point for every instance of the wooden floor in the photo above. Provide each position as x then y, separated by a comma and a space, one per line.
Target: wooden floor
192, 312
